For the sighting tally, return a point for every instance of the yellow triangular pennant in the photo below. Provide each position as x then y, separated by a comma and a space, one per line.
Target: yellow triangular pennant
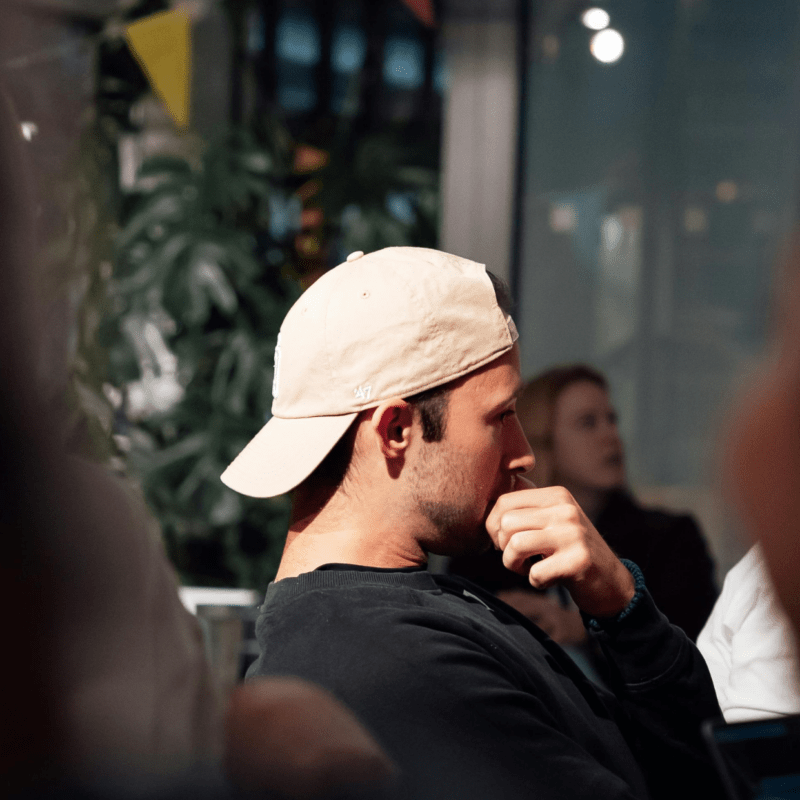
161, 44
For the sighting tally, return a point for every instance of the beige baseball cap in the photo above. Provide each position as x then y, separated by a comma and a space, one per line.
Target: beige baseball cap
387, 324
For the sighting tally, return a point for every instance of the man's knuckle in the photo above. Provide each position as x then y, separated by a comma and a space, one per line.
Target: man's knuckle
513, 547
582, 560
563, 495
571, 514
509, 558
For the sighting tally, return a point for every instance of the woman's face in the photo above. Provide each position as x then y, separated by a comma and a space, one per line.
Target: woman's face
587, 449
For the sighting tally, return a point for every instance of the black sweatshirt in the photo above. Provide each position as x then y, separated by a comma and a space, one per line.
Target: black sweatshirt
475, 702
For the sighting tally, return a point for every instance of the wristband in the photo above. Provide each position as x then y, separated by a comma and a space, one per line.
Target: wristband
638, 586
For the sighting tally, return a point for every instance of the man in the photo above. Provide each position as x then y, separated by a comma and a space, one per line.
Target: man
394, 423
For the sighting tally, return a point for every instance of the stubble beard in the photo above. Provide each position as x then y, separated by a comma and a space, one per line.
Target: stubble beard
439, 490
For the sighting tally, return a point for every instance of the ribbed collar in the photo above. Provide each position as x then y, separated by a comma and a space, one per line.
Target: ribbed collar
342, 575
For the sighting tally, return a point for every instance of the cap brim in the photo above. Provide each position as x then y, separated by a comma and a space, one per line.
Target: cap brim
284, 453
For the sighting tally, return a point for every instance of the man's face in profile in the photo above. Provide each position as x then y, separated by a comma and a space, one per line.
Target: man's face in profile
456, 481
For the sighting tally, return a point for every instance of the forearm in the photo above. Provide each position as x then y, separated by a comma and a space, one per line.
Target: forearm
666, 690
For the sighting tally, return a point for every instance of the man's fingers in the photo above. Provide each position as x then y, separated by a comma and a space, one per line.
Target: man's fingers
562, 566
515, 520
520, 550
544, 534
546, 556
545, 498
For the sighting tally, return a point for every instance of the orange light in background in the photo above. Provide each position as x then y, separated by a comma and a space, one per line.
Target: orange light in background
423, 11
695, 220
551, 46
308, 159
727, 191
311, 217
308, 245
308, 189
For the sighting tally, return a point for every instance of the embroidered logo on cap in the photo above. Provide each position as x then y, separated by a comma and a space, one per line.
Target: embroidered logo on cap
363, 392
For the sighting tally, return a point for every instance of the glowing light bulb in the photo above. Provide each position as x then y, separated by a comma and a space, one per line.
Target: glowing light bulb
607, 46
595, 19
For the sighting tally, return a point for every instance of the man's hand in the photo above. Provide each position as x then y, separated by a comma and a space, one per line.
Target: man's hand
548, 522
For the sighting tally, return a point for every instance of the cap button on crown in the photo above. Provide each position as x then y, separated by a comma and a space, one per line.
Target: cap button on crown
355, 255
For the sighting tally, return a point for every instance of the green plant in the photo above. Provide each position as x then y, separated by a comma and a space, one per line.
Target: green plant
376, 190
199, 291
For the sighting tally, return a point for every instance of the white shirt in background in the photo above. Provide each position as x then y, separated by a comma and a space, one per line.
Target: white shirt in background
749, 646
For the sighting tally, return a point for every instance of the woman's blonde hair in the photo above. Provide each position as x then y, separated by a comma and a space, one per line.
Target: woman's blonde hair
535, 411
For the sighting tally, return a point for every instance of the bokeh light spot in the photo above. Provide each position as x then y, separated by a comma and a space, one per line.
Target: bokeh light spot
607, 46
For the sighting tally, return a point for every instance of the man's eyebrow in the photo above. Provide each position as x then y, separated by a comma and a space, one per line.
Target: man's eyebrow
513, 397
516, 393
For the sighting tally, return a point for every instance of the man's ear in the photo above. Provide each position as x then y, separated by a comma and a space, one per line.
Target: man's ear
393, 422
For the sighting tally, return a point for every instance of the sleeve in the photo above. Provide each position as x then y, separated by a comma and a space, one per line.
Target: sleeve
666, 691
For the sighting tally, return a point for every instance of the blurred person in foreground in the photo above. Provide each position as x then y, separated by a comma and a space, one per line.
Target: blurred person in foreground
751, 640
762, 461
107, 691
394, 425
571, 424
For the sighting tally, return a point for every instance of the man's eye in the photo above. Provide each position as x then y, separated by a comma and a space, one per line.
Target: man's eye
506, 414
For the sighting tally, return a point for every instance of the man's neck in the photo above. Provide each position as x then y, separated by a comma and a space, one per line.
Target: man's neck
332, 536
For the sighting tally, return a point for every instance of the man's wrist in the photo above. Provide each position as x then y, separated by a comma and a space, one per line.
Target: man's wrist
597, 622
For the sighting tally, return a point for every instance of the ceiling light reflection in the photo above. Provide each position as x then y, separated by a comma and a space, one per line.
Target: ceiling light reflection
607, 46
595, 19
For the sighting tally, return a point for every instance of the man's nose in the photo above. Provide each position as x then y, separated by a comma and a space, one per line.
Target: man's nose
521, 458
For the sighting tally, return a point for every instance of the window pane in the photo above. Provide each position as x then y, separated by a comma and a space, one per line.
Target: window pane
657, 189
